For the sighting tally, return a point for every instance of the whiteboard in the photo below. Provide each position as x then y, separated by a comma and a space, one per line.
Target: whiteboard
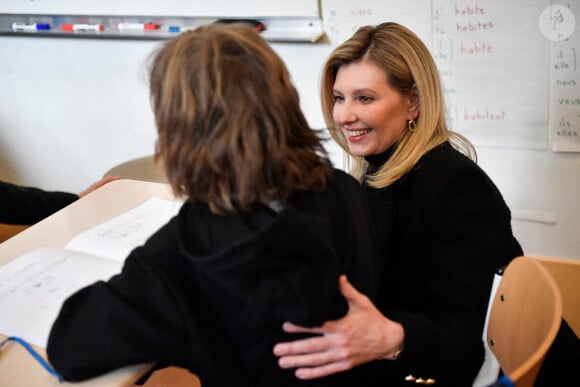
495, 71
220, 8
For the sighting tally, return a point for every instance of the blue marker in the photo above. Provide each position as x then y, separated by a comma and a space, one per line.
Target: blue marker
30, 27
180, 29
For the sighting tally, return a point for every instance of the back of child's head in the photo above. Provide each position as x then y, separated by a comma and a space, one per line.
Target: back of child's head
231, 131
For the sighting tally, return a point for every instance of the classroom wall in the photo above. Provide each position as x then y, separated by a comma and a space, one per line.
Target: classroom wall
70, 109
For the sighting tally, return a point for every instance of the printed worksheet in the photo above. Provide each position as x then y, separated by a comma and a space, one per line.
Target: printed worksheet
34, 286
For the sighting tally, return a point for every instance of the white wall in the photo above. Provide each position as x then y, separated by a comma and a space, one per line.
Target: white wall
542, 189
70, 109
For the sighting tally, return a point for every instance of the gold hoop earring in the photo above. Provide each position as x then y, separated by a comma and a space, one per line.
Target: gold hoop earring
411, 125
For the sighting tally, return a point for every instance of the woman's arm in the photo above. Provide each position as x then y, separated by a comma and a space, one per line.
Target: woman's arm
437, 287
29, 205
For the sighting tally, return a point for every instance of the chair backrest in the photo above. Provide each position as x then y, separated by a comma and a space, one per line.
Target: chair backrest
524, 319
172, 377
143, 168
566, 273
7, 231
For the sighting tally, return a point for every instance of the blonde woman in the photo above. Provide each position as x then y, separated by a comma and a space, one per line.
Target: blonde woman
383, 103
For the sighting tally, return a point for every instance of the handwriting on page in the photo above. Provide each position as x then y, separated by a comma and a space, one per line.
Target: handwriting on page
116, 238
34, 286
124, 231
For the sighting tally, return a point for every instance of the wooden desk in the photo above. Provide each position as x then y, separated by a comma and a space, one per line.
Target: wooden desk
17, 367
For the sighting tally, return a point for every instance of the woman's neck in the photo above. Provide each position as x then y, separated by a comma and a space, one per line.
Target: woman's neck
377, 161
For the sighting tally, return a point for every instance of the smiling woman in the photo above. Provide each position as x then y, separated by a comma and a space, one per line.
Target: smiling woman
383, 102
371, 112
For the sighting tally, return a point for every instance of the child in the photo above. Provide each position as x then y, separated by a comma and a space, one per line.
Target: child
267, 228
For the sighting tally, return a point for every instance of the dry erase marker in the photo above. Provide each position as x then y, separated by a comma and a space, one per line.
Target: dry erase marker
258, 25
30, 27
138, 26
82, 27
180, 29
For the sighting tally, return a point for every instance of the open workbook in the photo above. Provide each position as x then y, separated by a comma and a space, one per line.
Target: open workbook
34, 285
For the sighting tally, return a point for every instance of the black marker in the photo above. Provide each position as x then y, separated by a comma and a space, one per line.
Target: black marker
258, 25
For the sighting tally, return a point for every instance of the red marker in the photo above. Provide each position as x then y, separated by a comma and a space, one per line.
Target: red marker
82, 27
138, 26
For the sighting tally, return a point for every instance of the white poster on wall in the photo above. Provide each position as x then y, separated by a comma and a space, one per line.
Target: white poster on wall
559, 24
494, 64
492, 56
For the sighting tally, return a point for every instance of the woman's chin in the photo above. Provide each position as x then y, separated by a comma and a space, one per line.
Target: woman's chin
358, 152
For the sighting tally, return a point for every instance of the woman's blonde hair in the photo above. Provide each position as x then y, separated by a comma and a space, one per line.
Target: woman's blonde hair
231, 131
408, 64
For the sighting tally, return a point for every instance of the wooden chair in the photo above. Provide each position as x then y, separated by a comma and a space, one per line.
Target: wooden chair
524, 319
172, 377
143, 168
9, 230
566, 273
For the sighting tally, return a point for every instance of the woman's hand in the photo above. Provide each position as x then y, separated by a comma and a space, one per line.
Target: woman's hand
363, 335
98, 184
